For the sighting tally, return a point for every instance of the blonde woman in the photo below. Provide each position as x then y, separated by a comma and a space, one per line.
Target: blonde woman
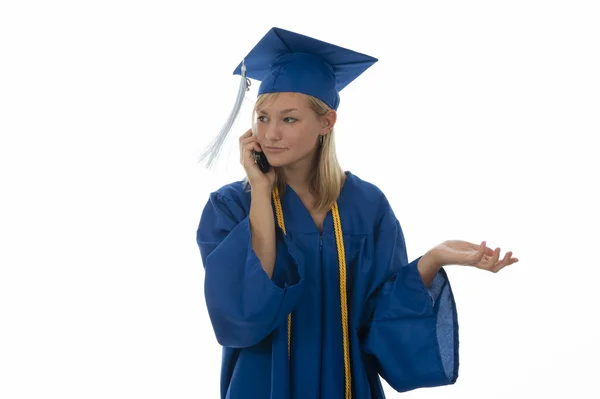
307, 284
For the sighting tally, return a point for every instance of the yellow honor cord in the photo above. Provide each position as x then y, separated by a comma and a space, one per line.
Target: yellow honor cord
339, 239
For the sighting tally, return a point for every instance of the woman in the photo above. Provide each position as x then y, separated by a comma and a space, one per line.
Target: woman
308, 285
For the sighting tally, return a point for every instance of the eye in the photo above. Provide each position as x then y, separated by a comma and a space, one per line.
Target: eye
261, 118
290, 120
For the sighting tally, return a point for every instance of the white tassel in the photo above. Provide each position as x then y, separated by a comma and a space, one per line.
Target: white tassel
213, 151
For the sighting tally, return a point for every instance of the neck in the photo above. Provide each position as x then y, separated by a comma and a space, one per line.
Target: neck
297, 175
297, 178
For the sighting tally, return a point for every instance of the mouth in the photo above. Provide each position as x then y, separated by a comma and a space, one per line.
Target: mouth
273, 148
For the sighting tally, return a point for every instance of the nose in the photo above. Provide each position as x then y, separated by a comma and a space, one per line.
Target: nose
272, 132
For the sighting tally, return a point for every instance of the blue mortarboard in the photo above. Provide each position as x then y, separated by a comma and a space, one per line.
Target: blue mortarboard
285, 61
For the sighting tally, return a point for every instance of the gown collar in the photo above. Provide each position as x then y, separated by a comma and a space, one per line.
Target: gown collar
297, 217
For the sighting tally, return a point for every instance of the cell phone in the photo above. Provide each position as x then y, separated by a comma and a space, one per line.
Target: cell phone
259, 157
261, 161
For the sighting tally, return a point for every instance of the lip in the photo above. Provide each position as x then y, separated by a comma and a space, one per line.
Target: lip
273, 149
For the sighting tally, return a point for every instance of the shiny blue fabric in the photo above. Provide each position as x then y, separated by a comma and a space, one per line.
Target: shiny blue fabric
399, 330
286, 61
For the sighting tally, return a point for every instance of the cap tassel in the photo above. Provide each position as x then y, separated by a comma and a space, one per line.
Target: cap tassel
210, 156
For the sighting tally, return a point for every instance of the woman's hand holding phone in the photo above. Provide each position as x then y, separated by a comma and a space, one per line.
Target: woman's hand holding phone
258, 179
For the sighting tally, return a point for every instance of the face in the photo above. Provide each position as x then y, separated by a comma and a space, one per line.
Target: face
288, 129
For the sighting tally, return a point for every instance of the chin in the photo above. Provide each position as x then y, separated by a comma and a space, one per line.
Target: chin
279, 161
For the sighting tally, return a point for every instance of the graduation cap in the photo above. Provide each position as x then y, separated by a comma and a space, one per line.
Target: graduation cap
285, 61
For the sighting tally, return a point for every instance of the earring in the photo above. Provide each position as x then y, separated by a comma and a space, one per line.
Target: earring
321, 139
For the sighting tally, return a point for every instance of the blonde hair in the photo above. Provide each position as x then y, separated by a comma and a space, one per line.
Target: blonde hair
327, 176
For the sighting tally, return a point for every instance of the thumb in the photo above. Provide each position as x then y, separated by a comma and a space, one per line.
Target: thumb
478, 256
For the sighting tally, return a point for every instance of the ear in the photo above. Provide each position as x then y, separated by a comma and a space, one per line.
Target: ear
328, 121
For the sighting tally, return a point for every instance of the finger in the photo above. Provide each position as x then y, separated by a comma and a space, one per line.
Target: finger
246, 153
248, 140
250, 144
505, 262
493, 260
486, 250
247, 134
479, 255
255, 145
512, 261
508, 258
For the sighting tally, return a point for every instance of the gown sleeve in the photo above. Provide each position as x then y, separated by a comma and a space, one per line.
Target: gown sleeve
412, 331
244, 304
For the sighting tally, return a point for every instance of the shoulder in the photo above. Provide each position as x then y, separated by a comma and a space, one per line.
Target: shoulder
234, 194
365, 190
364, 198
231, 190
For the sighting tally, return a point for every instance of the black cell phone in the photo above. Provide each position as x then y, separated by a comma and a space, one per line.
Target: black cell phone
261, 161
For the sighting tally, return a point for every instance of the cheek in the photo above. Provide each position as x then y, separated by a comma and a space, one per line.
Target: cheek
300, 139
260, 132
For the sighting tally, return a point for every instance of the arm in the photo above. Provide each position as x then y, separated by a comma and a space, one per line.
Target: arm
413, 343
244, 303
262, 228
428, 268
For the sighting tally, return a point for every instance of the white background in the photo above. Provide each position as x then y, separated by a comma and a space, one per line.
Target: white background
477, 122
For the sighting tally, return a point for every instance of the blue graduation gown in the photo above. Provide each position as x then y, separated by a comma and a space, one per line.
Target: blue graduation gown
399, 329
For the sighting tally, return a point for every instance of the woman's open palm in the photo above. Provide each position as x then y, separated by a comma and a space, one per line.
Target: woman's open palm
457, 252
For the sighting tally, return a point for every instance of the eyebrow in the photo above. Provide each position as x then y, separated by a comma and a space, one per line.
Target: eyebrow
282, 112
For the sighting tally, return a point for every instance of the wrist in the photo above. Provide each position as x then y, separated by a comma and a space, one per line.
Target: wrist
260, 190
428, 268
432, 260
